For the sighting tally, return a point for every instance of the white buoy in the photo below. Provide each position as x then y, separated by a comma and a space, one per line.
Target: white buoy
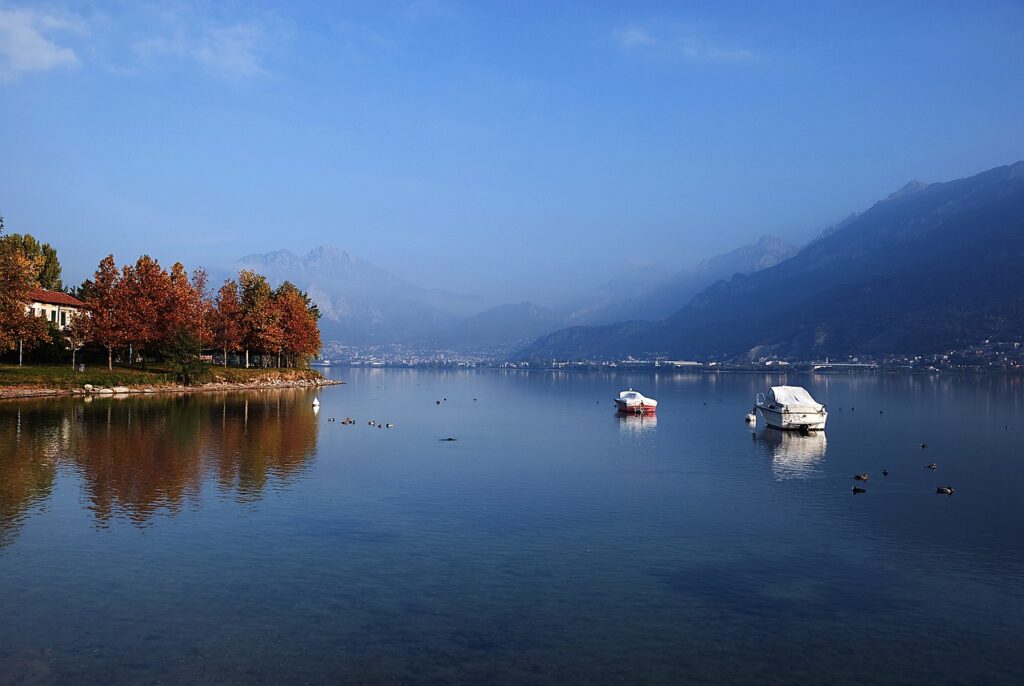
316, 402
751, 418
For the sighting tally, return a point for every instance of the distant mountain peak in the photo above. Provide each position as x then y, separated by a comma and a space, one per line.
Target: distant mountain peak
328, 253
276, 258
909, 188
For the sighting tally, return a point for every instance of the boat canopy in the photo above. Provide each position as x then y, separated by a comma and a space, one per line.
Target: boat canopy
794, 398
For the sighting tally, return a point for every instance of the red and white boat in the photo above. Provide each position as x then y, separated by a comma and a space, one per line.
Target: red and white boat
634, 402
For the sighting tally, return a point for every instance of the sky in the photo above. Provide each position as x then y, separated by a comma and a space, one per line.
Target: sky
525, 150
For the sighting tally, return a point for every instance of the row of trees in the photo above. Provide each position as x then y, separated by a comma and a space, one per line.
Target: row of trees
145, 308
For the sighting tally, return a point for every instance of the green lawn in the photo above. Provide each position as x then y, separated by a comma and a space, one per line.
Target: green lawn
62, 376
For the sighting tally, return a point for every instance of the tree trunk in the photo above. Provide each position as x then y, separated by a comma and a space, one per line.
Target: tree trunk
21, 348
246, 358
72, 358
110, 358
225, 357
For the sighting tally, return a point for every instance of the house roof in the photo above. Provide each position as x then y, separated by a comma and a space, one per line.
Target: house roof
41, 295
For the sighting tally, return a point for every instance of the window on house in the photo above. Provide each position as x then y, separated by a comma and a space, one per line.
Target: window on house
38, 311
53, 315
63, 318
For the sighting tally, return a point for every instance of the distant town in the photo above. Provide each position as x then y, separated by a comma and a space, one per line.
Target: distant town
987, 355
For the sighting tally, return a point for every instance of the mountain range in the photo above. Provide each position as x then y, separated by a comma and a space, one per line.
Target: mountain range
363, 304
930, 267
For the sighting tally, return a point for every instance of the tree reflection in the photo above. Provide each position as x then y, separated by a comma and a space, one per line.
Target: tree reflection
142, 455
28, 469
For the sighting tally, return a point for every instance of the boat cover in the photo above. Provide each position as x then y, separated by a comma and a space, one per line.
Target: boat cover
795, 399
632, 397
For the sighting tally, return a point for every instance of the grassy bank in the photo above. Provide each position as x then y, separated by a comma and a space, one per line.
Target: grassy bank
64, 378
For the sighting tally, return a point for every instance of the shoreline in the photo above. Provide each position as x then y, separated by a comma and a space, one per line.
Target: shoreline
15, 392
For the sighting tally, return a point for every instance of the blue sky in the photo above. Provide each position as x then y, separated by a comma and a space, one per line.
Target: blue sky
517, 150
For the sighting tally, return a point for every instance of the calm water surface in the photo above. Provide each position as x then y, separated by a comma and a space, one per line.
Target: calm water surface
242, 538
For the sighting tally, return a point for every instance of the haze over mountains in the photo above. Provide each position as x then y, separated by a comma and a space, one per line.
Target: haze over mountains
931, 267
364, 304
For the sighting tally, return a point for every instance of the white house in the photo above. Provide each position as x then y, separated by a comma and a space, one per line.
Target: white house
55, 306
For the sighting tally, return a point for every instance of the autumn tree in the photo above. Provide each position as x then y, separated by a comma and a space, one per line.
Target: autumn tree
108, 308
226, 319
47, 273
18, 326
183, 305
298, 321
77, 333
260, 321
145, 293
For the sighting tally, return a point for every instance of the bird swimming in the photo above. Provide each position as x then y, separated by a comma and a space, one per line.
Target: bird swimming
944, 490
861, 477
858, 489
931, 466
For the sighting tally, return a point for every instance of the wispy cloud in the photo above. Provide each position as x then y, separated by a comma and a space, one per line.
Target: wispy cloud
235, 51
27, 44
686, 43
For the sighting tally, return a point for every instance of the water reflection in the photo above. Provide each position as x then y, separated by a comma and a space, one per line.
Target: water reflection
636, 423
28, 466
794, 455
139, 456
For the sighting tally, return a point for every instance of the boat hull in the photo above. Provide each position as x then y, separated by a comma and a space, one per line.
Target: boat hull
635, 409
793, 421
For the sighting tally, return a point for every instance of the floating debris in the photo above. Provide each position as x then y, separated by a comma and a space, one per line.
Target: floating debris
448, 440
931, 466
944, 490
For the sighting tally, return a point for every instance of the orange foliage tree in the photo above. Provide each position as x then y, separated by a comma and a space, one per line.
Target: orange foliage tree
298, 319
260, 325
108, 308
226, 319
144, 290
17, 279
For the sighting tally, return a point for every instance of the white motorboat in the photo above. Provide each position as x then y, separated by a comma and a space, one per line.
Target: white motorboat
791, 407
634, 402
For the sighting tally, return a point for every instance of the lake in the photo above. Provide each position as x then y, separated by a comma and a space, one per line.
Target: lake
241, 538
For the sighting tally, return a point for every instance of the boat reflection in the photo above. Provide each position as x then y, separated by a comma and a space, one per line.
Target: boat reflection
637, 423
794, 455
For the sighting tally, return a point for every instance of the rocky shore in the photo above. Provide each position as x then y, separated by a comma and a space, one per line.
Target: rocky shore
91, 391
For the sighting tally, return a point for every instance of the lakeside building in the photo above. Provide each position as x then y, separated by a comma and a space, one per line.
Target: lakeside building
59, 308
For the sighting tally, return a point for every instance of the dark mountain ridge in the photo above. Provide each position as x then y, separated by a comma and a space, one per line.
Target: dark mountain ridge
930, 267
